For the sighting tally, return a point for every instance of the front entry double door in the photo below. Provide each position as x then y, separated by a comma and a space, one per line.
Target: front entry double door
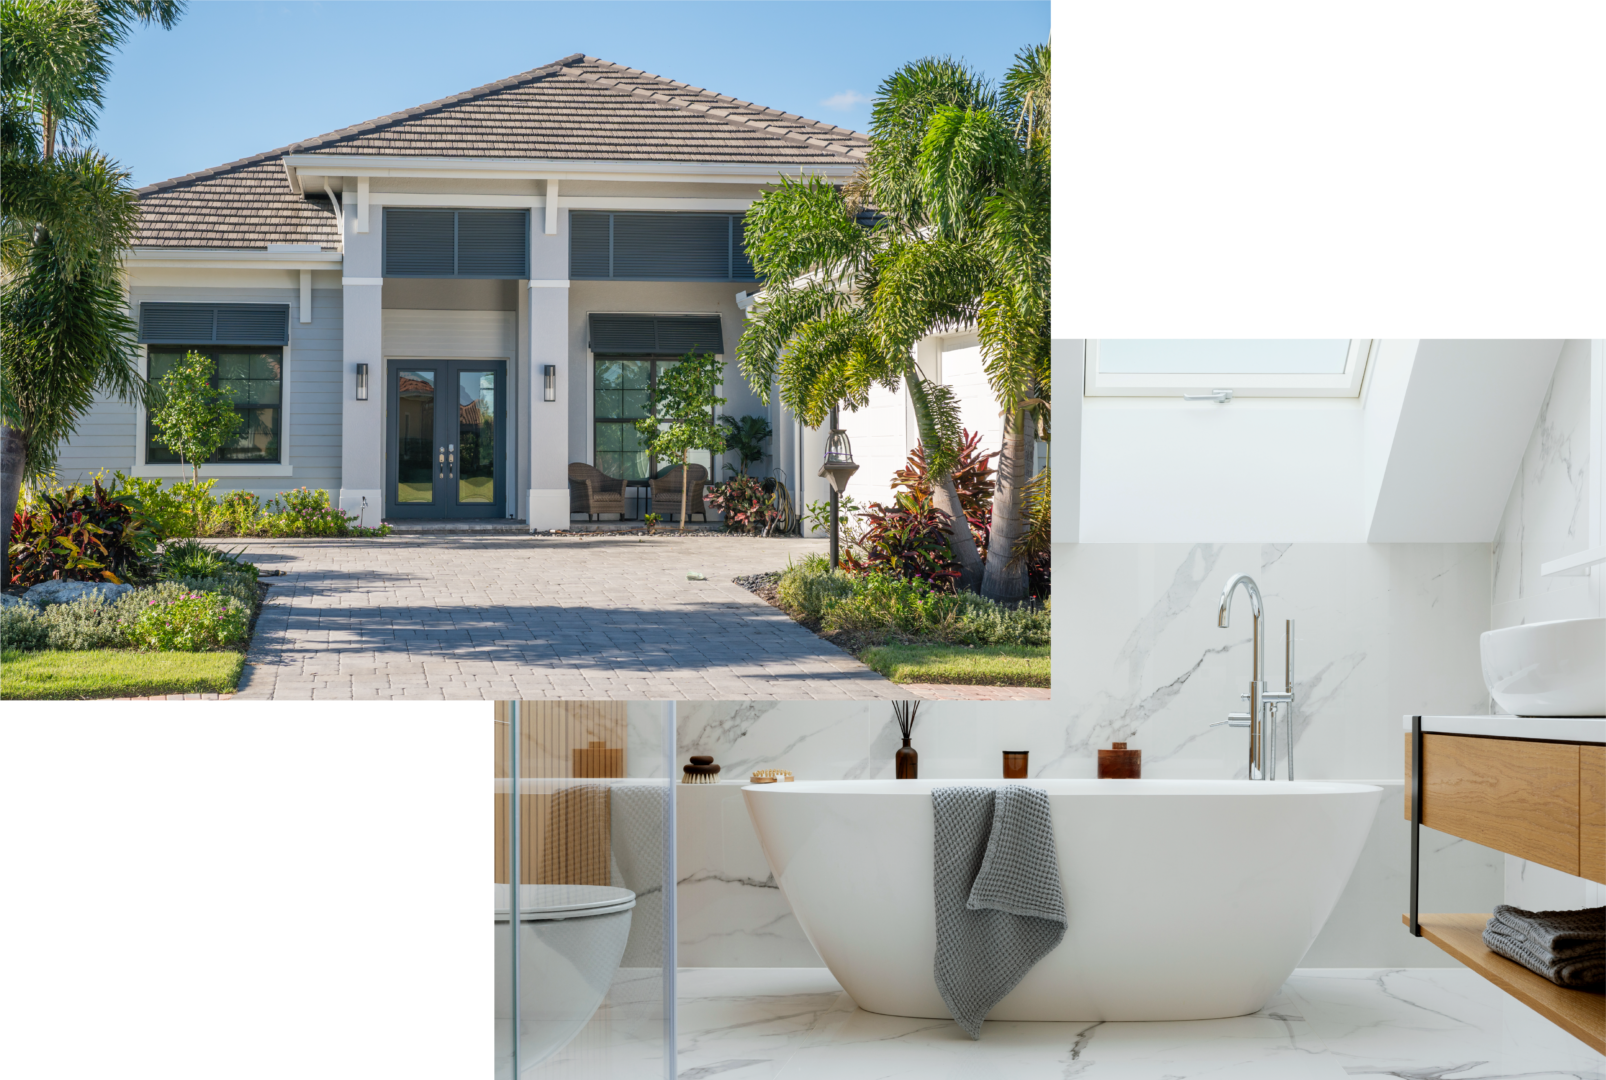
446, 443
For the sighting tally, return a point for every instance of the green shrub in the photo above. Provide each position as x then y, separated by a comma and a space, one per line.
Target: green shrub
87, 623
188, 622
20, 628
808, 588
882, 604
183, 559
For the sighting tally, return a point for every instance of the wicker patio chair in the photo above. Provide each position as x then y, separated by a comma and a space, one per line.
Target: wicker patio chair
666, 491
593, 492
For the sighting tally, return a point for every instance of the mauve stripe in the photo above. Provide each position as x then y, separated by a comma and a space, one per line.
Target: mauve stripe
241, 889
469, 859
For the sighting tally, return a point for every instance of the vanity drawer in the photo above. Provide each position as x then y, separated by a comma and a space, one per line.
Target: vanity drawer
1591, 812
1515, 796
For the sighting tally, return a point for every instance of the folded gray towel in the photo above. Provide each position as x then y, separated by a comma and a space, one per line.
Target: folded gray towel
997, 883
1566, 947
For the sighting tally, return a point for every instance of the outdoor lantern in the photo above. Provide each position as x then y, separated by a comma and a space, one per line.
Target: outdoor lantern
362, 382
549, 374
839, 465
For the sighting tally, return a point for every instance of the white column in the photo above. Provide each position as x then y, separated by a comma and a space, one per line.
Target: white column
418, 891
362, 427
547, 501
549, 420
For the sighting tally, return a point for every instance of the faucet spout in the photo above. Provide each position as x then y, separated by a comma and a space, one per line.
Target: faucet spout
1258, 749
1224, 613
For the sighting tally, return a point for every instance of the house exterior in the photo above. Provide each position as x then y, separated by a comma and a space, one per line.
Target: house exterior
433, 313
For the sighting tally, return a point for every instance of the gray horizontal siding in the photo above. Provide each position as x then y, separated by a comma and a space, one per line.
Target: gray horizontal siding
105, 440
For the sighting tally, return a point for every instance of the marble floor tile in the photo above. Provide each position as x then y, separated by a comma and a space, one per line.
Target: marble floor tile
1411, 1024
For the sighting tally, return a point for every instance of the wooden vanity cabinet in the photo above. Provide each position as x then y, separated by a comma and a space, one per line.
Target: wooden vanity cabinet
1523, 798
1542, 801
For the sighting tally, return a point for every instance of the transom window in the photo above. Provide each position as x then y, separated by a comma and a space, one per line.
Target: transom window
253, 379
1249, 367
621, 393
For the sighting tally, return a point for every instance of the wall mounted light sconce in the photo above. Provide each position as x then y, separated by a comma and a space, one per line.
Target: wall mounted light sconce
549, 374
362, 382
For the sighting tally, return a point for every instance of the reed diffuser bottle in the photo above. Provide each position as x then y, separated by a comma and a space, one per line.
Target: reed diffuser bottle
906, 762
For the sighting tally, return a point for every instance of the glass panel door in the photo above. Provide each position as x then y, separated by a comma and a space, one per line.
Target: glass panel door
585, 821
449, 461
476, 437
414, 445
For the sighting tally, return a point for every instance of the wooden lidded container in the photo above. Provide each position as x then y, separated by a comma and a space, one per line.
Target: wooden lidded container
1119, 763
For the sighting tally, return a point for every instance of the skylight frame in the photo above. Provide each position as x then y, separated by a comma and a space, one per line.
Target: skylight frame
1347, 384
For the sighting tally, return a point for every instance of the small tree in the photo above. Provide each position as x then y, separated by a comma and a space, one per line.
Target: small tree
192, 417
683, 402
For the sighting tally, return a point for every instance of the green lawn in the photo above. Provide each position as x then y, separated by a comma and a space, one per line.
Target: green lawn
59, 674
983, 665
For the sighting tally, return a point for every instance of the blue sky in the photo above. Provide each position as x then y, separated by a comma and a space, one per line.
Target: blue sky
240, 77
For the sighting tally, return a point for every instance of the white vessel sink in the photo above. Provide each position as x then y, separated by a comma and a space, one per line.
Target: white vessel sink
1547, 669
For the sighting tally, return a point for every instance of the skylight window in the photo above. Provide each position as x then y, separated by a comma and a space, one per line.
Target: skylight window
1249, 367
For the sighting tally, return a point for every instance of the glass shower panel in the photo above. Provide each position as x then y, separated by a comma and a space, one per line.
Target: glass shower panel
586, 861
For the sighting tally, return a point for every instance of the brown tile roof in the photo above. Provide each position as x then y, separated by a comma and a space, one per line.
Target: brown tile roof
578, 108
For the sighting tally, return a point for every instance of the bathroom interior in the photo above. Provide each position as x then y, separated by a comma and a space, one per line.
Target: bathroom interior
1329, 690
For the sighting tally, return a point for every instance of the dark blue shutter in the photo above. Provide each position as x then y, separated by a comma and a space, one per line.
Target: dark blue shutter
681, 334
457, 243
623, 334
177, 324
671, 247
493, 243
162, 323
741, 265
253, 324
420, 243
665, 335
589, 245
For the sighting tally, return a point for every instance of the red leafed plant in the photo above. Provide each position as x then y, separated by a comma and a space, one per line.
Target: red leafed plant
973, 479
907, 540
78, 534
749, 505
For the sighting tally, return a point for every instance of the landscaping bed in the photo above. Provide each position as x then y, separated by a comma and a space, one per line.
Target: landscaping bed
109, 597
909, 630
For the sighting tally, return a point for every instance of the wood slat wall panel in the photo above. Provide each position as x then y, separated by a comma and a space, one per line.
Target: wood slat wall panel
564, 828
1515, 796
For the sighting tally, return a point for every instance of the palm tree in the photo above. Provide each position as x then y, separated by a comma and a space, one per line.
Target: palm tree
824, 253
66, 214
955, 194
981, 177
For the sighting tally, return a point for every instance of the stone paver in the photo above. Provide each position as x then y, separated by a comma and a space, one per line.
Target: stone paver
486, 617
955, 692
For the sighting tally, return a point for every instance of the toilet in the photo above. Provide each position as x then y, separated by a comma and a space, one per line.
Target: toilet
571, 939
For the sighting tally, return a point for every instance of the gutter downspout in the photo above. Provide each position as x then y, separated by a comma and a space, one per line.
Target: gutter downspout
340, 213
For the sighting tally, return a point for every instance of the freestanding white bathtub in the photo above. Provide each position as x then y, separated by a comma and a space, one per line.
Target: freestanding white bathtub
1186, 899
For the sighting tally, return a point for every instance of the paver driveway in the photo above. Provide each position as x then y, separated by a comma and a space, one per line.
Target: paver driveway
510, 616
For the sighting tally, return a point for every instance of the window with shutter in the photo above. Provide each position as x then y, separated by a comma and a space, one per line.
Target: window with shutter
165, 323
456, 243
657, 247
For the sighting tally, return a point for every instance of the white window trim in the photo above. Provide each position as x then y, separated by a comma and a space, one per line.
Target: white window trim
1345, 385
219, 472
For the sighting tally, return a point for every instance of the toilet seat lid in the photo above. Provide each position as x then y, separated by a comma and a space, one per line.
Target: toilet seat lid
538, 902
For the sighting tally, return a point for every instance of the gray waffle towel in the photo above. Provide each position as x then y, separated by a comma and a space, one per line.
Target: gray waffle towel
999, 905
1566, 947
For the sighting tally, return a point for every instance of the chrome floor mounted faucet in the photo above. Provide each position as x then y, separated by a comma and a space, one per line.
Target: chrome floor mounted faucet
1261, 719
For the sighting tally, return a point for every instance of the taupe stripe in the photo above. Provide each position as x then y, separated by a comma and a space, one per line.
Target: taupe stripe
241, 889
469, 859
